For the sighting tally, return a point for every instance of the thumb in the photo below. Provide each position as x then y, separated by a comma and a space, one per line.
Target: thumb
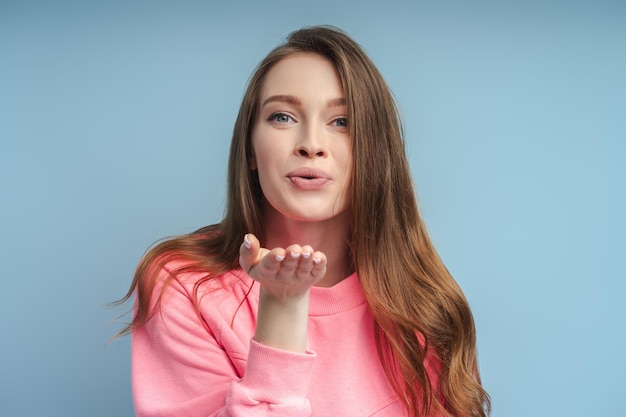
249, 252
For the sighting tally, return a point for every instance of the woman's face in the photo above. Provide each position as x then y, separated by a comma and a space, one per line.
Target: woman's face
300, 139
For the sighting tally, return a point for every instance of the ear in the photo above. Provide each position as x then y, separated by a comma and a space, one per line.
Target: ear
252, 163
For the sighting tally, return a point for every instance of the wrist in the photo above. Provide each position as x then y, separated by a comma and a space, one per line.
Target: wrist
282, 322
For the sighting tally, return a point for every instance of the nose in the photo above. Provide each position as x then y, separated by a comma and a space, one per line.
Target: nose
311, 144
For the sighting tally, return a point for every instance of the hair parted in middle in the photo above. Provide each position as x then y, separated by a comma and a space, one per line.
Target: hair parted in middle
422, 318
375, 128
407, 286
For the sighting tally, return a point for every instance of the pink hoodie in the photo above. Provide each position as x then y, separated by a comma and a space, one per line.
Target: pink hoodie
184, 364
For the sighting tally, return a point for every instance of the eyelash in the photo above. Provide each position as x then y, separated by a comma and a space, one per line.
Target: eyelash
344, 121
275, 116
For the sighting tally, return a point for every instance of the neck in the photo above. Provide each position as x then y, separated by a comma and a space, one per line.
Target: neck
329, 236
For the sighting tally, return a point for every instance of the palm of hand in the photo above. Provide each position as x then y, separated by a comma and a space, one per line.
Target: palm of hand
283, 273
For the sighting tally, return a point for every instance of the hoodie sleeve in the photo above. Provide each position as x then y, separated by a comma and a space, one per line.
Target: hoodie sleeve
180, 368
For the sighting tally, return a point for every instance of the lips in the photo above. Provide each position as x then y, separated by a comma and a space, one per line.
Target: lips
309, 179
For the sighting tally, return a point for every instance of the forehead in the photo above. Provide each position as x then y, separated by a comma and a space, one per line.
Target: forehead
303, 75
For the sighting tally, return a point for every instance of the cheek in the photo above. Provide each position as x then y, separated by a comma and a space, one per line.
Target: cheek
347, 161
261, 159
264, 161
254, 141
269, 150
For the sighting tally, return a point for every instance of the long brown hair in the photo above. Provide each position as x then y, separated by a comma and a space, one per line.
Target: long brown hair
422, 319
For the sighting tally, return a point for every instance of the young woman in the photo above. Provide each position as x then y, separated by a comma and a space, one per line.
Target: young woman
320, 293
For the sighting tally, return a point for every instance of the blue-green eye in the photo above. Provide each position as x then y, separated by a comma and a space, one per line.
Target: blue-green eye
341, 122
280, 118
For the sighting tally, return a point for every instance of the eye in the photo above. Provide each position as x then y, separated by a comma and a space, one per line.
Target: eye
341, 122
280, 118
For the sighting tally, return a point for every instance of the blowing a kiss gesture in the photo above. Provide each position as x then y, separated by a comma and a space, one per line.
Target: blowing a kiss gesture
285, 276
342, 306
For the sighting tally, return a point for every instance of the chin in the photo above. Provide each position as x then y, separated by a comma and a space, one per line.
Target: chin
313, 216
306, 212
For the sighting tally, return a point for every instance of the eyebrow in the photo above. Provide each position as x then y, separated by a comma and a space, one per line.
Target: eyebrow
295, 101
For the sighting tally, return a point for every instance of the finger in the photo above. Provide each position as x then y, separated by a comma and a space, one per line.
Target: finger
267, 266
249, 251
307, 253
293, 254
319, 265
305, 266
273, 260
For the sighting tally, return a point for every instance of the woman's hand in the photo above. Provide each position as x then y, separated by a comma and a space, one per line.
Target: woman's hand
285, 275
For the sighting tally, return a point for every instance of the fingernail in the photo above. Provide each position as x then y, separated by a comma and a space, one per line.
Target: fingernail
306, 255
246, 242
294, 255
317, 260
280, 258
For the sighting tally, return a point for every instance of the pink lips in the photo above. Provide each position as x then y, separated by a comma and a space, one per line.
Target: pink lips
309, 179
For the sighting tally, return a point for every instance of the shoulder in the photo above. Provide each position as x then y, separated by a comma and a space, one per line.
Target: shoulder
198, 282
184, 289
225, 303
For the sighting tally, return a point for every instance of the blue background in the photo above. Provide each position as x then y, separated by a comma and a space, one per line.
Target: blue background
115, 119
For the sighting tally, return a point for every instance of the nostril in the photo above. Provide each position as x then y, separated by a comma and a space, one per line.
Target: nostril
303, 152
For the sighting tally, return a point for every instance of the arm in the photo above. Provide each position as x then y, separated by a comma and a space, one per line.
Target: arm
286, 276
181, 367
178, 366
